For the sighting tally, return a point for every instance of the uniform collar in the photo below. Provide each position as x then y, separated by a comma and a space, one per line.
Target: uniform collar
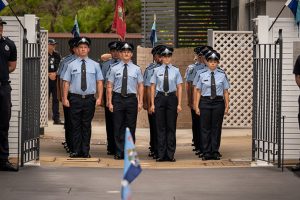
122, 63
164, 65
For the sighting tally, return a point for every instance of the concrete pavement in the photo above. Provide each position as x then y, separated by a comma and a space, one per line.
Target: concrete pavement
57, 183
235, 147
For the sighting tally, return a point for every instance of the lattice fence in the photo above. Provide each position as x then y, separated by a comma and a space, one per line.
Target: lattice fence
44, 79
236, 59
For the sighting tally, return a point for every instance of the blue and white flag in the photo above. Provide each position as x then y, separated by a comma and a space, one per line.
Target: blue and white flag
3, 4
153, 36
132, 167
75, 31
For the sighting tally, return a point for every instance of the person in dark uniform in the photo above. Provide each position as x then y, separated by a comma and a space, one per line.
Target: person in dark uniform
296, 71
212, 101
8, 63
190, 76
68, 144
149, 71
124, 96
105, 67
82, 80
166, 94
53, 64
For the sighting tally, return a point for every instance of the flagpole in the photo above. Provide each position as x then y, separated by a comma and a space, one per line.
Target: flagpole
277, 17
24, 29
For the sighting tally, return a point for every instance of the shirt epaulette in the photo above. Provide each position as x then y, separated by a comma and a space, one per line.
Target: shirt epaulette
114, 64
201, 71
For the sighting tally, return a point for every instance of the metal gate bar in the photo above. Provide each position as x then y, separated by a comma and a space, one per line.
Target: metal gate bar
267, 91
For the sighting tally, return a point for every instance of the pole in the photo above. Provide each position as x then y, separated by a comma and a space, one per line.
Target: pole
24, 29
277, 17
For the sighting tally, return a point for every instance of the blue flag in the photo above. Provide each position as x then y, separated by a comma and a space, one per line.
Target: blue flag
75, 31
153, 36
132, 167
3, 4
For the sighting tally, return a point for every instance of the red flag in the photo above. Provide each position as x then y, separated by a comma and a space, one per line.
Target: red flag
119, 23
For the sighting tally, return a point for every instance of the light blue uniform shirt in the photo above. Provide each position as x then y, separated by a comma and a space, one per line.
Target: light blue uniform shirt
73, 75
173, 74
105, 67
65, 65
149, 73
61, 63
204, 83
193, 69
134, 77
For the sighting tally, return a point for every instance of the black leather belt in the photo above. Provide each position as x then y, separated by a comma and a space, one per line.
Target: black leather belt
128, 95
3, 83
210, 98
167, 93
82, 96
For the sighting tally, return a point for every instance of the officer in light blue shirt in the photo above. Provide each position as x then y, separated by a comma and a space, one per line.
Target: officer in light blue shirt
190, 76
82, 80
68, 144
212, 102
166, 94
105, 67
149, 71
125, 96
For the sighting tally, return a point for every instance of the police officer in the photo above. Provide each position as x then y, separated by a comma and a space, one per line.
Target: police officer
149, 71
296, 71
190, 76
8, 62
212, 101
125, 96
53, 64
68, 144
105, 67
166, 92
82, 79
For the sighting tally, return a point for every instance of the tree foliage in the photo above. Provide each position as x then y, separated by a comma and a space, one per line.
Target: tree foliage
94, 16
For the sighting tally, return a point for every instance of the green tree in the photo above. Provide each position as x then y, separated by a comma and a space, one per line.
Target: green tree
94, 16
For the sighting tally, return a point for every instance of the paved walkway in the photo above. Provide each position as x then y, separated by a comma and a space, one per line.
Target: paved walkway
60, 183
235, 147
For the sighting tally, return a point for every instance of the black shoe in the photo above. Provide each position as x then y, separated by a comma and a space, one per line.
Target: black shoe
201, 155
193, 144
172, 160
220, 155
118, 157
296, 168
198, 152
86, 156
206, 157
154, 156
74, 155
195, 149
58, 122
7, 166
110, 153
160, 160
151, 154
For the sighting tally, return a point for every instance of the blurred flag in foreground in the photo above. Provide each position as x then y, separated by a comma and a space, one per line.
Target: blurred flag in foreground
153, 36
119, 23
132, 167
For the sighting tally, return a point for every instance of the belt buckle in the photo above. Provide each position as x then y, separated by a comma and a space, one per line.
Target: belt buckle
211, 97
166, 94
83, 96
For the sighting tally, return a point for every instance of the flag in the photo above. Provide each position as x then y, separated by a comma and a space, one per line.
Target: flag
3, 4
119, 23
75, 31
153, 36
132, 167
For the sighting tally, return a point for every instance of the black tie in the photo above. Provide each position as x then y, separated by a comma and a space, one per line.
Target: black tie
213, 86
83, 76
124, 81
166, 80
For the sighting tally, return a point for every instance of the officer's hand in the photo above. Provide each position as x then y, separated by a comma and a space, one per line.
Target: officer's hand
179, 109
98, 101
152, 109
140, 106
145, 106
111, 107
66, 102
226, 111
197, 110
